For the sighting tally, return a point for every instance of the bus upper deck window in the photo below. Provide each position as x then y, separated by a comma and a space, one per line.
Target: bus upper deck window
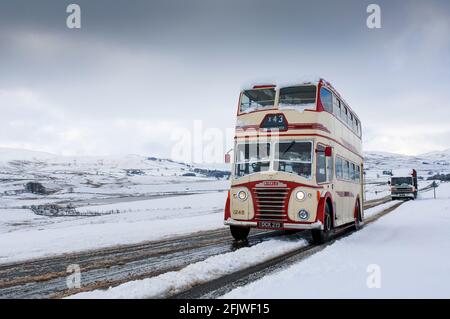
345, 117
298, 97
336, 106
253, 100
327, 100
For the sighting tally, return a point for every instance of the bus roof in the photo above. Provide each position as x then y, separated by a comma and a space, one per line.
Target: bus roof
307, 80
280, 83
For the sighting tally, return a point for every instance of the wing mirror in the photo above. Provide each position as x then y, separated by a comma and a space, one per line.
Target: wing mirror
328, 151
227, 159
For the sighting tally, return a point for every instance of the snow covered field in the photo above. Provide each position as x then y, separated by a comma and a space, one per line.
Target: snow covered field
93, 179
402, 255
145, 194
24, 235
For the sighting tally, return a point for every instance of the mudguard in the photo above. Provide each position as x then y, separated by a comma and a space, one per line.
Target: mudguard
227, 213
321, 208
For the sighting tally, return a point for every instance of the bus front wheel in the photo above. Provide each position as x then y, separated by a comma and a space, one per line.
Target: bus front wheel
239, 233
321, 236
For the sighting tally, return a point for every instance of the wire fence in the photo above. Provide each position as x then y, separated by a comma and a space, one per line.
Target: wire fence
429, 187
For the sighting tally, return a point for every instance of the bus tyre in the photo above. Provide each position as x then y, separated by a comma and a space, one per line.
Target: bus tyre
321, 236
239, 233
358, 218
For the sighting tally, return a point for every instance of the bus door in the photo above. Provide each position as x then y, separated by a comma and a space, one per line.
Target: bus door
341, 191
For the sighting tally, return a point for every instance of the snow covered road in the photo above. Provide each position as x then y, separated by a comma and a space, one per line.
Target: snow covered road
215, 267
402, 255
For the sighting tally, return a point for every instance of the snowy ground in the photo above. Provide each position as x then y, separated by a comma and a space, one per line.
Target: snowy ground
378, 209
402, 255
209, 269
376, 190
24, 235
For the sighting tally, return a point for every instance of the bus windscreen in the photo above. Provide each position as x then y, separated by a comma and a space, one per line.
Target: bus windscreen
294, 157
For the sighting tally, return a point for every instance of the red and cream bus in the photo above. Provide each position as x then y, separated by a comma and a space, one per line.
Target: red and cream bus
297, 161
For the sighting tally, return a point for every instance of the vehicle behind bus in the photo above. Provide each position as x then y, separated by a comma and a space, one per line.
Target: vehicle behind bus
404, 185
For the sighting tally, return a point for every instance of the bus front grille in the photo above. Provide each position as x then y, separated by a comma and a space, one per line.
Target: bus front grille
271, 203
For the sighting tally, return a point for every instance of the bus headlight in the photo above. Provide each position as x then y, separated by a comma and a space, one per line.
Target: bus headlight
242, 195
300, 195
303, 214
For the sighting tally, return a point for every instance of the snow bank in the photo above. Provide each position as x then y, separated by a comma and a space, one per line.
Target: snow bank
378, 209
198, 273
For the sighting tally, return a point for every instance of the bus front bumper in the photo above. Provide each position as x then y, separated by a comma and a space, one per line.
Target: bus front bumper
233, 222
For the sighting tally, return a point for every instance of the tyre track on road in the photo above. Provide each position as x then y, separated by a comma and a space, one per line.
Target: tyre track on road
223, 285
46, 278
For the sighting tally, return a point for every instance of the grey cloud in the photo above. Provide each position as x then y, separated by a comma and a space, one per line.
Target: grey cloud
178, 61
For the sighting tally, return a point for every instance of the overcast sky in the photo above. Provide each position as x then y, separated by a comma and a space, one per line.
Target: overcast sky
137, 70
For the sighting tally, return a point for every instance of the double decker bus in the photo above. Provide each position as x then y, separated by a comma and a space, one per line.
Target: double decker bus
298, 162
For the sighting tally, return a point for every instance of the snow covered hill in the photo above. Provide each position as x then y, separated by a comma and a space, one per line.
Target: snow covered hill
437, 155
11, 154
66, 179
426, 164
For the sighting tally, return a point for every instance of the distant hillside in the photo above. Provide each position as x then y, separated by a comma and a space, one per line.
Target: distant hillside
426, 164
25, 165
10, 154
437, 155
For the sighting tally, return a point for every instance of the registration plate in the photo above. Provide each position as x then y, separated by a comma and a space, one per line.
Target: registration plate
270, 225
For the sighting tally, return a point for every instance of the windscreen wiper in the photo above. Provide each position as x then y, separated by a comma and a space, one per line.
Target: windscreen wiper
289, 147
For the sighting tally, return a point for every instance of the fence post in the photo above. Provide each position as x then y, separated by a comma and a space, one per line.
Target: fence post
434, 185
